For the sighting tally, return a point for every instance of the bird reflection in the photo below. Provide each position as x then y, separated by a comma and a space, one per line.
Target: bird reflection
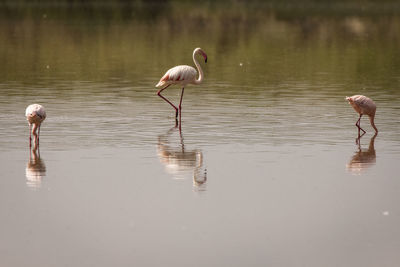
35, 169
362, 159
179, 161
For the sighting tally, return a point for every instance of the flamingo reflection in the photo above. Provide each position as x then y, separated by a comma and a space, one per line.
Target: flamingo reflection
181, 162
35, 169
363, 158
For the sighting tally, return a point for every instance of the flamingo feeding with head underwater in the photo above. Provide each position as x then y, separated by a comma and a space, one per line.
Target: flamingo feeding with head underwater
364, 106
182, 75
35, 114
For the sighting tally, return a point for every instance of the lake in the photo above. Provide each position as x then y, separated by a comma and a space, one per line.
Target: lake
264, 169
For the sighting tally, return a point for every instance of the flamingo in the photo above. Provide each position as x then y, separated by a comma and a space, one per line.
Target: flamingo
35, 114
182, 75
364, 106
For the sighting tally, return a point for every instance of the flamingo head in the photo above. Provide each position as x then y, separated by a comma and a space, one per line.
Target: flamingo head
349, 99
35, 113
201, 52
32, 114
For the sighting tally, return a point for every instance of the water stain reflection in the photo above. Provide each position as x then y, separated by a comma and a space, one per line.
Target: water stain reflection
35, 169
362, 159
179, 161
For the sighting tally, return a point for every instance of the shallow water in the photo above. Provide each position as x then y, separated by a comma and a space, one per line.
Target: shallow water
265, 169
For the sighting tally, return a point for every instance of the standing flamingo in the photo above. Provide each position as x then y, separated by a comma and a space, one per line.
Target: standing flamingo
182, 75
35, 114
363, 105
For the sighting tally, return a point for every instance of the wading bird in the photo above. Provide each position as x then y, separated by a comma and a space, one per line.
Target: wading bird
182, 75
363, 106
35, 114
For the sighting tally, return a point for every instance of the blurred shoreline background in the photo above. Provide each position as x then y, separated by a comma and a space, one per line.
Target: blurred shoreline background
94, 40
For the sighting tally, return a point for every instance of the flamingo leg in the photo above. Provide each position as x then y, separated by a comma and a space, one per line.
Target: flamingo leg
180, 121
358, 121
180, 109
169, 102
38, 135
359, 138
30, 135
358, 124
180, 102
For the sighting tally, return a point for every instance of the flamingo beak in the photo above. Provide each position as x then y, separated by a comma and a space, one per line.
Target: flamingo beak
204, 55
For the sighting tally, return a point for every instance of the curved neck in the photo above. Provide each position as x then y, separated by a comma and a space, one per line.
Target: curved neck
201, 75
372, 118
34, 129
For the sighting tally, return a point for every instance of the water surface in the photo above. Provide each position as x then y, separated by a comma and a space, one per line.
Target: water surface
265, 169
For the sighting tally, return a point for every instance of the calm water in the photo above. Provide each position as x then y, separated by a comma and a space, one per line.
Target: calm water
265, 170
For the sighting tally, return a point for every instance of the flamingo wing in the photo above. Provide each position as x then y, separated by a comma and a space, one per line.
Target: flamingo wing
364, 102
180, 74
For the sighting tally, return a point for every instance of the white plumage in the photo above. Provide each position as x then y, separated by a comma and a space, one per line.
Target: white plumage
35, 115
182, 75
364, 106
35, 112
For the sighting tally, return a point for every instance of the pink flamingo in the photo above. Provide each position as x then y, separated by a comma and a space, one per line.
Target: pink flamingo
35, 114
182, 75
363, 106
